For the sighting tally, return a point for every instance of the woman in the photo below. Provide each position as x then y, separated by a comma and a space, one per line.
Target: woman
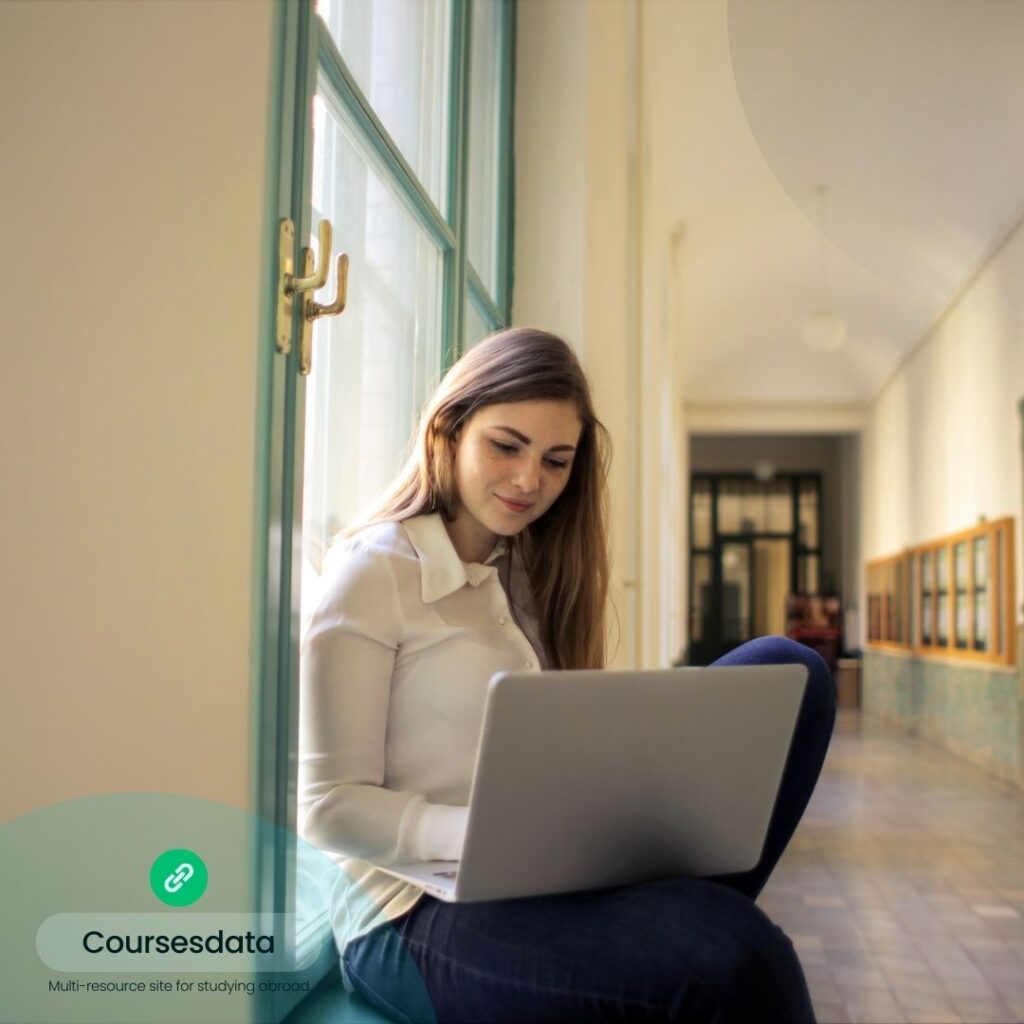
489, 553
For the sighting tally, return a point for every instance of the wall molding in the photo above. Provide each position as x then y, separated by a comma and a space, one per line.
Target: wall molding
775, 417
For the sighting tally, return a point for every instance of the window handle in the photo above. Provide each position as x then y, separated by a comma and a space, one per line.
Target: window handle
315, 309
316, 278
288, 285
312, 310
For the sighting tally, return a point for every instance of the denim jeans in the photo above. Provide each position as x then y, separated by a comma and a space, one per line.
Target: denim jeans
676, 949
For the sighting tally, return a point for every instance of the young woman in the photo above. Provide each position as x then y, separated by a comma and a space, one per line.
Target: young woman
489, 553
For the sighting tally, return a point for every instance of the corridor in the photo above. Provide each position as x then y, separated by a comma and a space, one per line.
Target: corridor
903, 889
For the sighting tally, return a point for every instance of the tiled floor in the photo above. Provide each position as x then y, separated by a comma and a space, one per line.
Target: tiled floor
903, 889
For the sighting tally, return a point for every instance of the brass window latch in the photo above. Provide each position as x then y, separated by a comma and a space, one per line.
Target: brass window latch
313, 278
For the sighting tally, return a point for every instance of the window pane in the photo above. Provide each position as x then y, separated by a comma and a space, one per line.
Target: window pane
729, 506
807, 574
771, 585
927, 618
778, 507
942, 625
808, 513
484, 109
373, 366
960, 636
942, 597
700, 598
735, 593
980, 562
961, 604
998, 613
981, 621
740, 506
899, 593
701, 501
474, 326
960, 565
399, 52
913, 626
755, 511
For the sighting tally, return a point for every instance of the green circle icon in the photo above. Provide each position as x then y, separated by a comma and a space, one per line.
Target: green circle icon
178, 877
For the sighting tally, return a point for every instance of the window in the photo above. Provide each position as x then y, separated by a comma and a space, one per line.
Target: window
952, 596
411, 157
396, 127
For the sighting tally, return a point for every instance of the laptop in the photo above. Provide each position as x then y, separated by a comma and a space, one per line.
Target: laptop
591, 779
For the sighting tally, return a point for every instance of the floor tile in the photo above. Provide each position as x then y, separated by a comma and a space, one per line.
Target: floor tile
931, 1017
903, 888
868, 1010
984, 1011
831, 1013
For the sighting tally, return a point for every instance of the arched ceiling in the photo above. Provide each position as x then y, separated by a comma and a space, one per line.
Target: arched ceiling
908, 111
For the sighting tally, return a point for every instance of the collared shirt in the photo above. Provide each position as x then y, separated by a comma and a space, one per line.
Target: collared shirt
394, 671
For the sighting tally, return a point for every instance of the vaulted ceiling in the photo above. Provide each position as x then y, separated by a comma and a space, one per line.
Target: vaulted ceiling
909, 112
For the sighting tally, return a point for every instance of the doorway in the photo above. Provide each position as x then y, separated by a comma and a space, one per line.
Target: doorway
752, 544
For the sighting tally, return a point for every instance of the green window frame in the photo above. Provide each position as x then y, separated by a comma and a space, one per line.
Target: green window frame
306, 55
462, 282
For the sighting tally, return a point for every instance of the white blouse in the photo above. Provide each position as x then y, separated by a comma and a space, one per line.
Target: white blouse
394, 671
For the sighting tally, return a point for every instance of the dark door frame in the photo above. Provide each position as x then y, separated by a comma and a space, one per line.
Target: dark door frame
707, 648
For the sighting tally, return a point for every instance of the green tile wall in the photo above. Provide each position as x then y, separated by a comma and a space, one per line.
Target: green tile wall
977, 713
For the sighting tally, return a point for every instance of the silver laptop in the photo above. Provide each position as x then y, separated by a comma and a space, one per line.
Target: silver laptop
590, 779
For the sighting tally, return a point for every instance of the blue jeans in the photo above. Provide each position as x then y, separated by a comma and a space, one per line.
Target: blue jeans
678, 949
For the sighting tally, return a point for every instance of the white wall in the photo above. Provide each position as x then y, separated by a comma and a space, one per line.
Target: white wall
134, 165
593, 262
942, 447
550, 138
942, 444
571, 272
663, 447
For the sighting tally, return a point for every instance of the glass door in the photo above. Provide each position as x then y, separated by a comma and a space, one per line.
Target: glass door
736, 593
770, 584
754, 543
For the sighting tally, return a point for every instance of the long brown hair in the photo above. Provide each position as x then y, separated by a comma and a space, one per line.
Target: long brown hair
565, 552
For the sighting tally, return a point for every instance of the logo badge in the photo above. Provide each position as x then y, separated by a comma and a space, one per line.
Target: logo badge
178, 877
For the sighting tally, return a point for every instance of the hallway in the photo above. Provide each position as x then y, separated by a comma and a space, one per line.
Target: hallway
903, 889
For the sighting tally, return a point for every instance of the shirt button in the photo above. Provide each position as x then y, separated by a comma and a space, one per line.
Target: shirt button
502, 620
527, 664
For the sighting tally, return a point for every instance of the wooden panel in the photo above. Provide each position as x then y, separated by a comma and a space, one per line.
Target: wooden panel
919, 569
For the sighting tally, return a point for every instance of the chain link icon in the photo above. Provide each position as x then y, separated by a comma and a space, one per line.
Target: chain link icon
178, 877
173, 882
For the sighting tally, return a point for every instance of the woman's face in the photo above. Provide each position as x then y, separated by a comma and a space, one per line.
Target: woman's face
511, 462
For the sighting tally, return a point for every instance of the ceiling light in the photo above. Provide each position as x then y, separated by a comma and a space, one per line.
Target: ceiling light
824, 330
